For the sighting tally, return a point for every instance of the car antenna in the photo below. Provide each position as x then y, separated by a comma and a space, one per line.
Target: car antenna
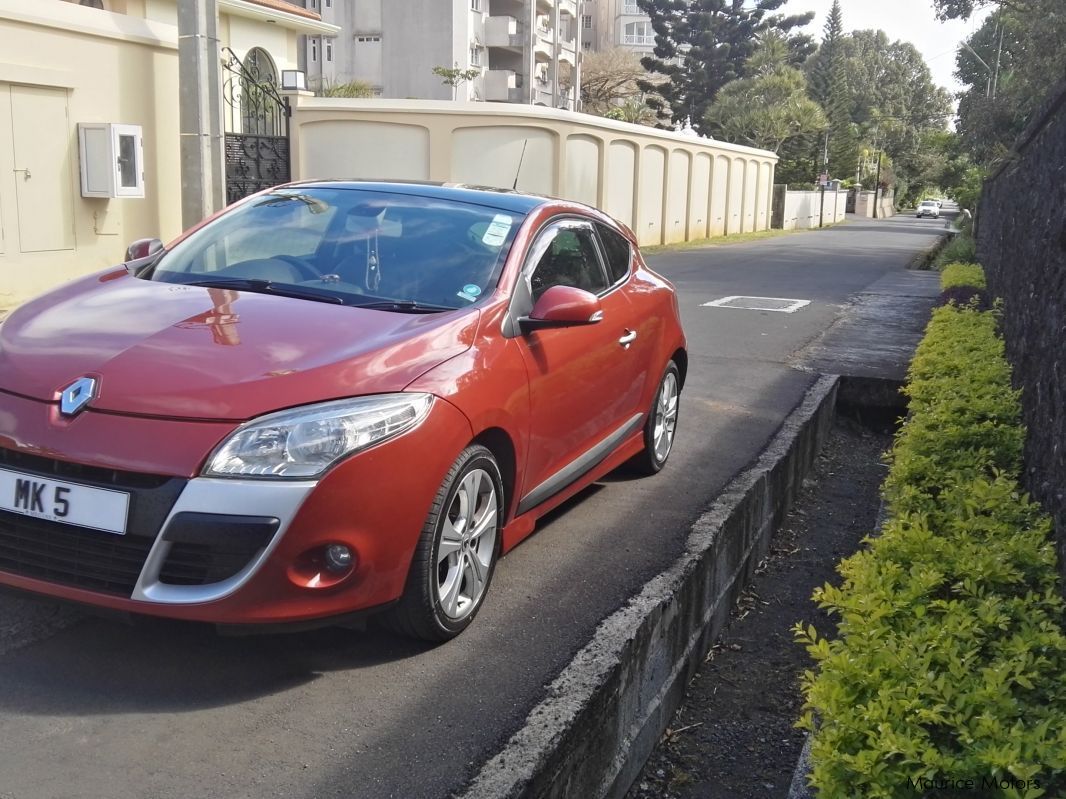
521, 158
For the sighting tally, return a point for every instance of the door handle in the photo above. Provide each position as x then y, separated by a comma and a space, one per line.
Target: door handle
27, 171
628, 338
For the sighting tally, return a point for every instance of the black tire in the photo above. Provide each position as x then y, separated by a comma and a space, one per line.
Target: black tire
652, 459
421, 612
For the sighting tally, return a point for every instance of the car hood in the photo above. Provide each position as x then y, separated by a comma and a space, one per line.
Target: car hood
160, 349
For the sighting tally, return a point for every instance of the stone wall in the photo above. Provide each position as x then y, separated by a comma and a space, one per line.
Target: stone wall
1021, 236
886, 204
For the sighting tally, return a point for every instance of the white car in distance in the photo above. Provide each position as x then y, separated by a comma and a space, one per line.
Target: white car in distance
928, 208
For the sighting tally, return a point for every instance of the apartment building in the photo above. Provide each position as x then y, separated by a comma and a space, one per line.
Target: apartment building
606, 24
526, 50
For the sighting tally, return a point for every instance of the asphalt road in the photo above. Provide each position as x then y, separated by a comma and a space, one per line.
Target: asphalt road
94, 708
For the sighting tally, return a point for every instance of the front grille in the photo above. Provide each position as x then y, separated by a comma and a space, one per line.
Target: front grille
79, 557
71, 555
78, 473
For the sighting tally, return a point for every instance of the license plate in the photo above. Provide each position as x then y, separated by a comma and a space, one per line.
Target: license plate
67, 503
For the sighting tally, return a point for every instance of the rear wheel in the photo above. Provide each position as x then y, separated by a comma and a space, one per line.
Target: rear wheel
661, 425
456, 553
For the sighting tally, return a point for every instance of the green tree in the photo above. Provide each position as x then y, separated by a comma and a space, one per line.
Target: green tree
1008, 66
702, 45
963, 9
455, 77
826, 71
821, 66
768, 108
893, 103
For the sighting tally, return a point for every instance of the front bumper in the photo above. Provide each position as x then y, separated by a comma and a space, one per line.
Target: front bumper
245, 561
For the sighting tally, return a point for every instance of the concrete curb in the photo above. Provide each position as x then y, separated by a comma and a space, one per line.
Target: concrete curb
604, 714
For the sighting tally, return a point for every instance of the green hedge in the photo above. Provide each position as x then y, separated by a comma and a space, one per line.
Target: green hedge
962, 274
950, 663
961, 249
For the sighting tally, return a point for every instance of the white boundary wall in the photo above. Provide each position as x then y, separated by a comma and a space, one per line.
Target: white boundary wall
667, 186
803, 209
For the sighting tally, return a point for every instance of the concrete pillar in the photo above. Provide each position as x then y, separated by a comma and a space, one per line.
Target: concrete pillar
203, 175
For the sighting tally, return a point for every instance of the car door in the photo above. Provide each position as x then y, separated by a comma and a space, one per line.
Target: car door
583, 380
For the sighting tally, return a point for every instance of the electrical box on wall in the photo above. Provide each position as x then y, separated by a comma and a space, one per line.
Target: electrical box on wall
112, 160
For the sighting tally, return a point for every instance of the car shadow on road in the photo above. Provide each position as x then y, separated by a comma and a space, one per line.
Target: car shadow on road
104, 666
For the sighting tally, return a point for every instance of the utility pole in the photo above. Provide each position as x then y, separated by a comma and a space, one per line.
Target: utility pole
999, 56
877, 182
988, 88
200, 111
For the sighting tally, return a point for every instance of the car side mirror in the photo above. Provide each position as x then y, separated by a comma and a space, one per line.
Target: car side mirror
563, 306
142, 248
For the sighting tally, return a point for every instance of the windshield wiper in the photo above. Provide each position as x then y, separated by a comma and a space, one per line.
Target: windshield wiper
268, 287
405, 306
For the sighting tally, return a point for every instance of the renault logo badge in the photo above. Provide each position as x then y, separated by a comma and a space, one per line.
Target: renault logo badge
76, 396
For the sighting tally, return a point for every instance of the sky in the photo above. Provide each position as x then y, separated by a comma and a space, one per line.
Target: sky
908, 20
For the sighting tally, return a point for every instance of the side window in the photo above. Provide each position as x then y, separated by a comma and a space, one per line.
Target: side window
616, 248
570, 260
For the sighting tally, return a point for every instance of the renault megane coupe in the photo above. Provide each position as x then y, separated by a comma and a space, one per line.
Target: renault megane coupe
330, 400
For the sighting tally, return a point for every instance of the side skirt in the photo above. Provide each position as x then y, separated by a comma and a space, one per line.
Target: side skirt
580, 466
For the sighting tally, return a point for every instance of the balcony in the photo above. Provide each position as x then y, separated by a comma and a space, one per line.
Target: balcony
637, 40
543, 97
544, 47
504, 32
632, 10
503, 85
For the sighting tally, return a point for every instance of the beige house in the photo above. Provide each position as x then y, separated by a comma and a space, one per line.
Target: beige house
89, 143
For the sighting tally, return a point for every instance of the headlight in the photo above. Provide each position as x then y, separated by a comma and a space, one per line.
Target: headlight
304, 442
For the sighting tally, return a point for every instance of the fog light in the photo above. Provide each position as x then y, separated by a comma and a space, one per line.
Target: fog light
338, 558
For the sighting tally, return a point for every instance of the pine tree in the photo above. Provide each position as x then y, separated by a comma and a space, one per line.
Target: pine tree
702, 45
819, 72
827, 75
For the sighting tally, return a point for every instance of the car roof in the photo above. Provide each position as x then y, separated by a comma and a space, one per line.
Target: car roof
503, 199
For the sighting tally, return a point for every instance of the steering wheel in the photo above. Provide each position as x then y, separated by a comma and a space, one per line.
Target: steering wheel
305, 267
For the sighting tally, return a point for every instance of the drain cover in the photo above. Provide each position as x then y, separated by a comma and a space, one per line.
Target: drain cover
758, 304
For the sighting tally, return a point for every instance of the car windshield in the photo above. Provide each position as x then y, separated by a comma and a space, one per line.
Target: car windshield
391, 251
928, 202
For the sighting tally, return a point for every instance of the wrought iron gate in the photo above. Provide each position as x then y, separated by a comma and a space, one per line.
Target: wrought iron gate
257, 125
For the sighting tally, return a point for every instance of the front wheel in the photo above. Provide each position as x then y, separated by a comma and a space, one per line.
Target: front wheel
661, 425
456, 553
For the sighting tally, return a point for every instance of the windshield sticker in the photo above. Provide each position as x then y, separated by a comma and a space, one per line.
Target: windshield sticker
496, 232
463, 295
472, 289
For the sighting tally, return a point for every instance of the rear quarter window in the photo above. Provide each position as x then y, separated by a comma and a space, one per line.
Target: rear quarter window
618, 252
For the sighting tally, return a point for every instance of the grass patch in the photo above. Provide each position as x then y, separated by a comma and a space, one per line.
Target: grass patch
950, 653
717, 241
961, 249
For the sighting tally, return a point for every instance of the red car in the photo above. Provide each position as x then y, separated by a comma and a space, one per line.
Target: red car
332, 398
